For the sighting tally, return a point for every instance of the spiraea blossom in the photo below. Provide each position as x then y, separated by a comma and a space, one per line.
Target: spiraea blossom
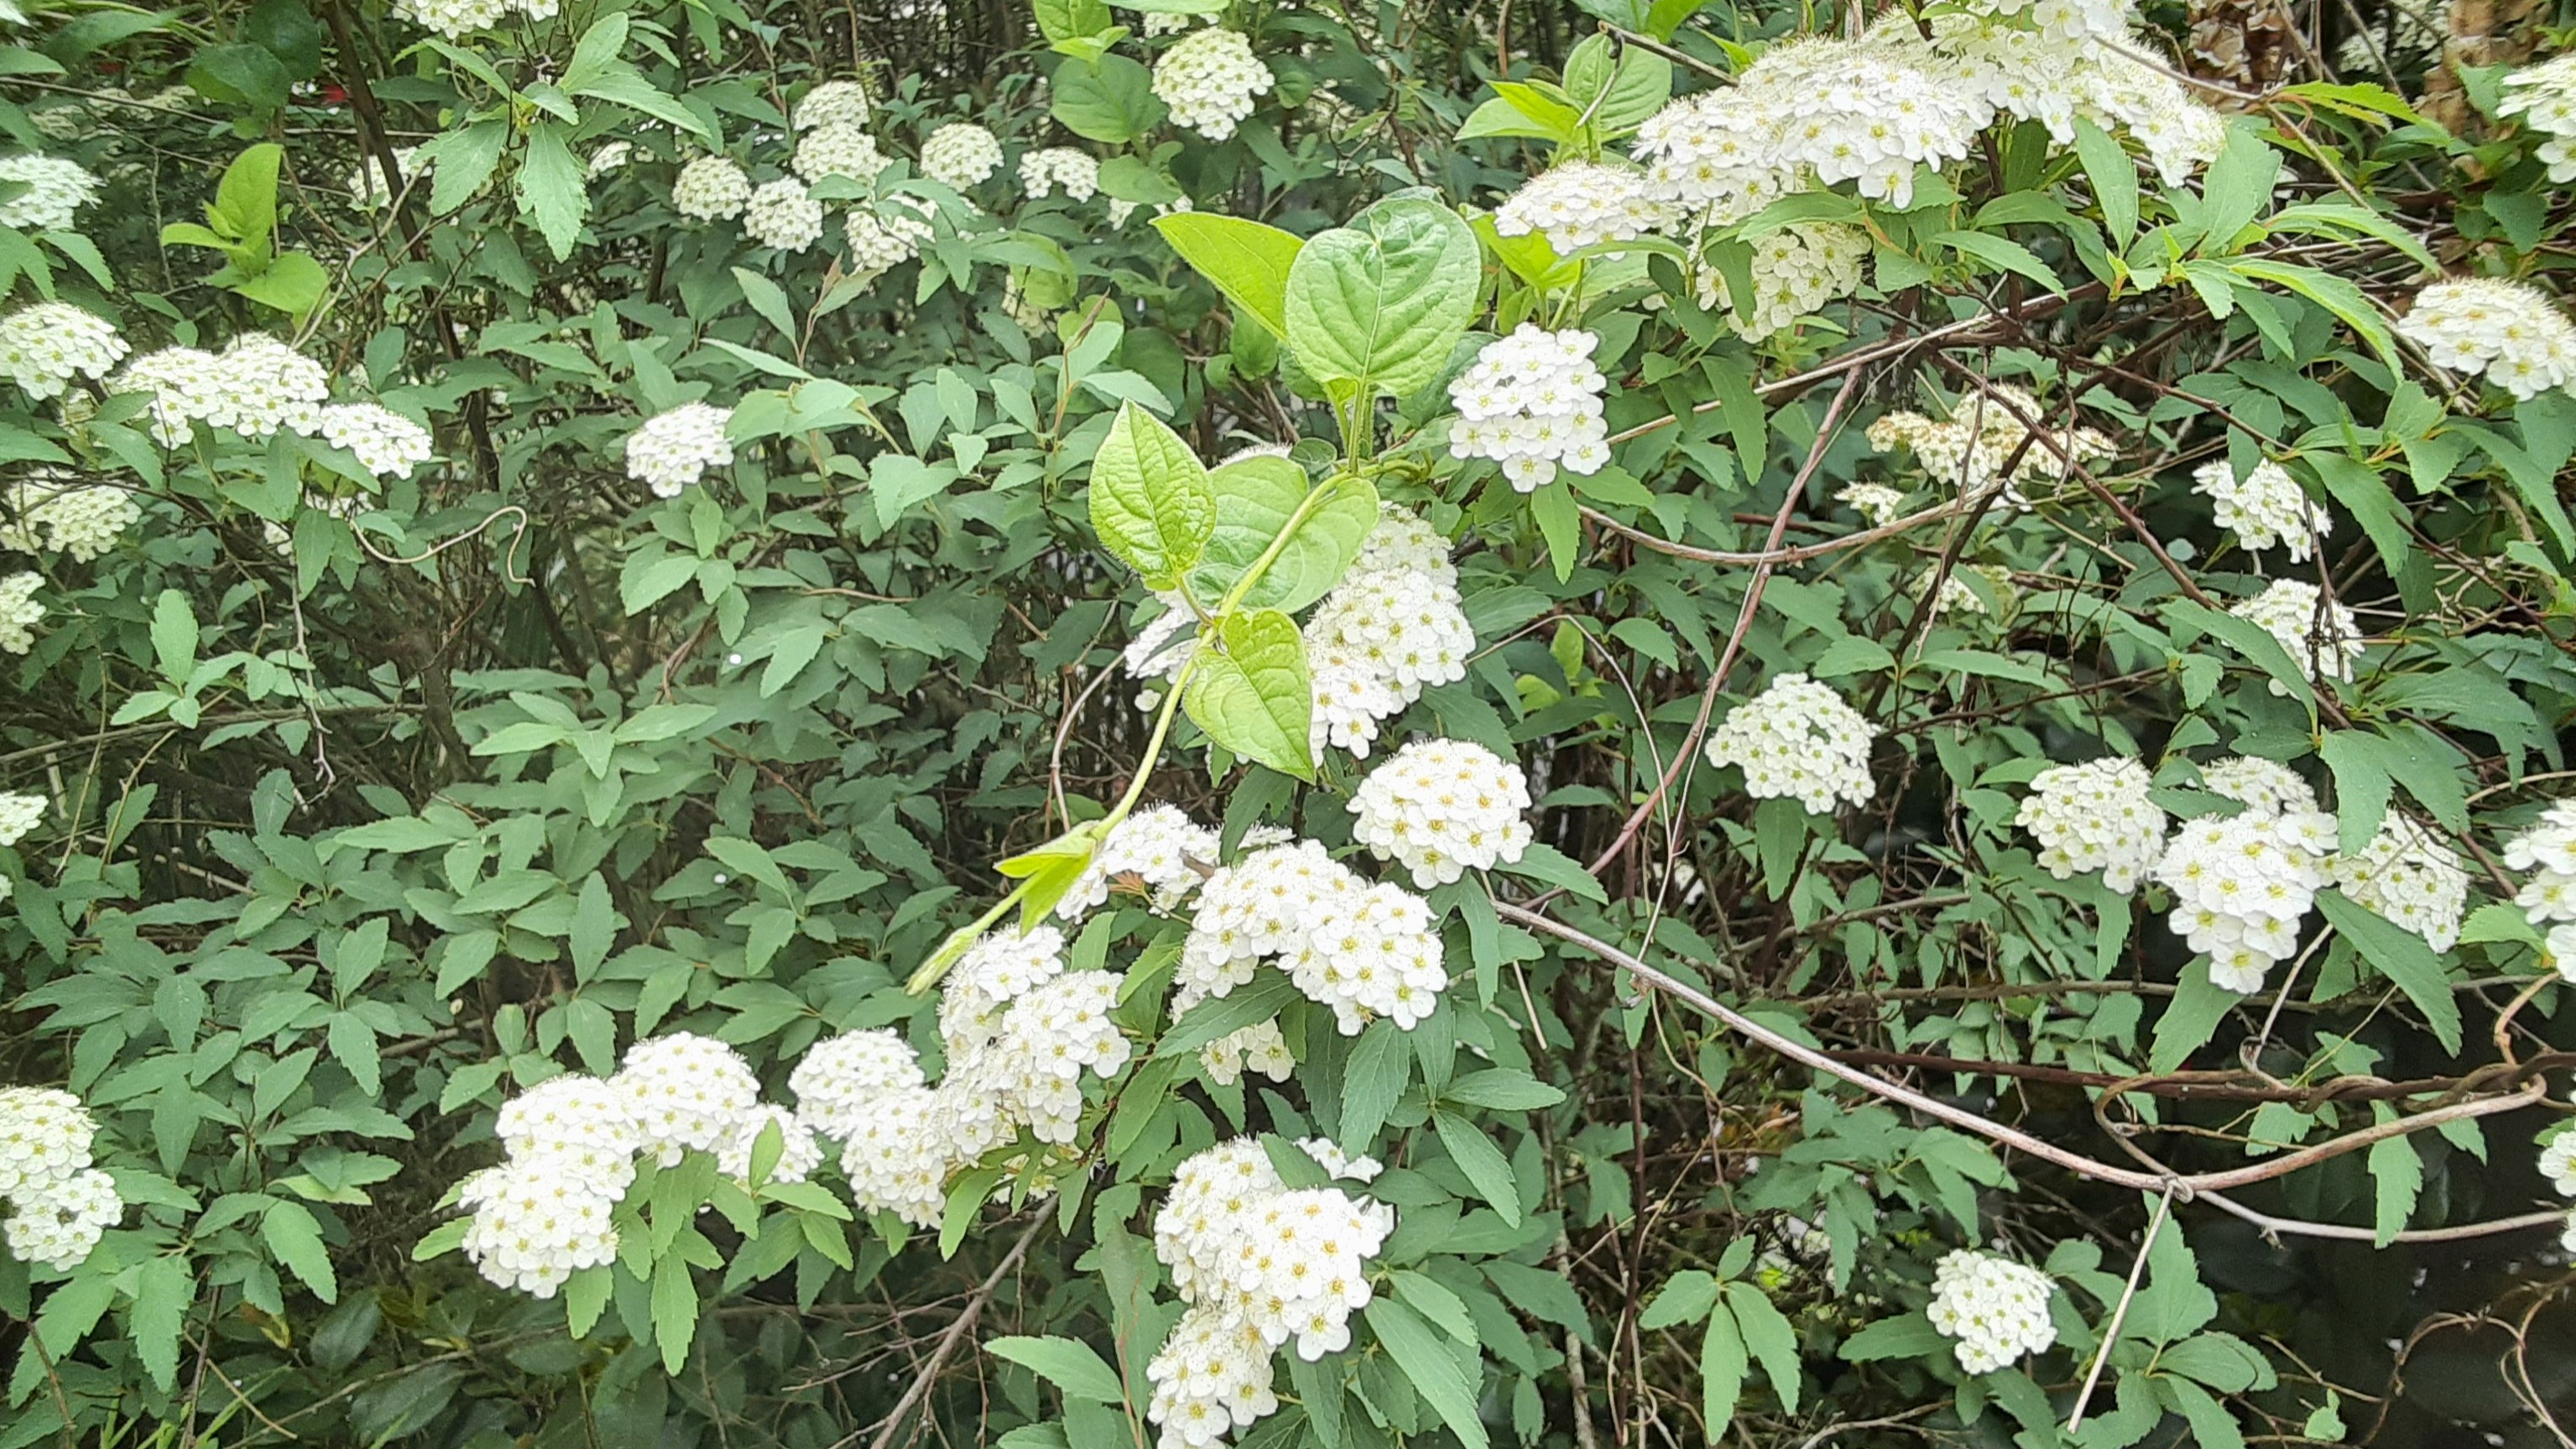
2241, 887
711, 188
674, 449
1577, 204
1259, 1265
799, 1153
1045, 170
1211, 80
2510, 331
1363, 950
1156, 851
1865, 113
49, 513
1532, 402
1876, 502
256, 387
997, 970
535, 1223
2544, 96
2263, 787
454, 19
1441, 808
386, 443
60, 1224
45, 345
960, 154
838, 1080
1985, 445
2558, 1163
2095, 816
1995, 1309
19, 612
2408, 876
19, 813
1797, 740
368, 188
780, 214
59, 1206
2321, 636
56, 191
2547, 850
838, 149
832, 103
1259, 907
611, 156
685, 1092
886, 236
1797, 271
2264, 508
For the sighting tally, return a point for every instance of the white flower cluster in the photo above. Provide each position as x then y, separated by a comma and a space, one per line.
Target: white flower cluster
838, 149
56, 191
1876, 502
2548, 899
2409, 877
2289, 612
1153, 848
2544, 95
1211, 80
1983, 444
960, 154
780, 214
2510, 331
256, 386
1049, 167
1443, 807
50, 514
19, 813
1532, 402
19, 612
368, 187
1797, 740
2241, 886
1996, 1308
1956, 594
674, 449
2558, 1164
2263, 787
548, 1211
1363, 950
44, 346
456, 19
712, 188
1584, 203
2263, 508
1796, 272
59, 1205
1259, 1264
1864, 112
832, 103
2095, 816
883, 239
865, 1090
1393, 627
387, 444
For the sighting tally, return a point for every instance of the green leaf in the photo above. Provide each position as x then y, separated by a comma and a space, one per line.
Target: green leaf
553, 187
1686, 1297
2190, 1018
1373, 1081
2114, 177
1503, 1089
769, 300
596, 54
296, 1240
1379, 305
174, 636
2236, 189
586, 1297
897, 481
1429, 1366
1477, 1156
2001, 253
1721, 1371
1768, 1334
2362, 784
241, 75
245, 205
2401, 956
1062, 20
1225, 1015
462, 160
1110, 100
1560, 522
675, 1311
1074, 1367
2337, 295
1249, 690
293, 284
163, 1293
1248, 261
1151, 501
1255, 499
1909, 1336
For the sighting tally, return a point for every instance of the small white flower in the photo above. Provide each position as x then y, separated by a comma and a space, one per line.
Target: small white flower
1798, 740
674, 449
1211, 80
711, 188
960, 154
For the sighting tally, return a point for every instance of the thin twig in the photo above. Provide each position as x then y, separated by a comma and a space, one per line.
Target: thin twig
2120, 1311
957, 1332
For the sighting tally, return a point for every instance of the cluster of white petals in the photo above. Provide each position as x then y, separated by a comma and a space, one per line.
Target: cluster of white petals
883, 238
1532, 402
1876, 502
2408, 876
20, 812
960, 154
839, 1080
1797, 740
45, 345
1153, 852
780, 214
685, 1093
674, 449
2263, 508
56, 191
2241, 886
838, 149
456, 19
1045, 170
2547, 849
1984, 445
1866, 111
2510, 331
2263, 787
1577, 204
59, 1206
2544, 95
48, 513
2322, 636
832, 103
1366, 951
256, 386
1393, 627
1796, 271
386, 443
1211, 80
1441, 808
368, 186
1995, 1308
19, 612
1259, 1264
2095, 816
711, 188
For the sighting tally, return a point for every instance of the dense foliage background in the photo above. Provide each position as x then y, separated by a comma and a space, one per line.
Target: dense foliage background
371, 802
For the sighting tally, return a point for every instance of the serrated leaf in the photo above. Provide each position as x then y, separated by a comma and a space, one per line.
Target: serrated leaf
2401, 956
1076, 1368
295, 1239
1429, 1367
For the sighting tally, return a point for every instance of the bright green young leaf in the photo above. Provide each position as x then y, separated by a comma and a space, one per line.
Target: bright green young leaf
1248, 261
1151, 501
1255, 500
1251, 692
1378, 305
2401, 956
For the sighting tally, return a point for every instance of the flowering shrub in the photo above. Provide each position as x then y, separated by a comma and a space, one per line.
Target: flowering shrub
1285, 725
